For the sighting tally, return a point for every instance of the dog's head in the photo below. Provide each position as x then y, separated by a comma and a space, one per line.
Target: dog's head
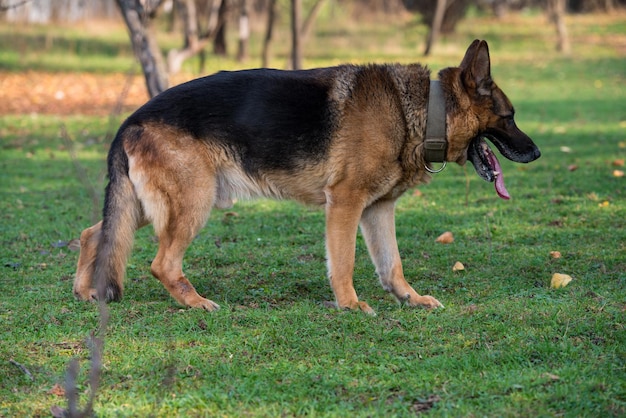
478, 109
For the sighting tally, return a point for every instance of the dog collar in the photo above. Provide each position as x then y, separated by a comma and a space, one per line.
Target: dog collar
435, 142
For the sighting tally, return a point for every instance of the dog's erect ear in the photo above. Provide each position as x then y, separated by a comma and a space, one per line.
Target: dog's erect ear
476, 68
469, 54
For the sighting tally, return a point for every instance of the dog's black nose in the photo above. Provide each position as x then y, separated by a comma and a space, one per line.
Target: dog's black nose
536, 154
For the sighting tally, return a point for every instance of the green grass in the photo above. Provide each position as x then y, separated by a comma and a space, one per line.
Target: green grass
505, 345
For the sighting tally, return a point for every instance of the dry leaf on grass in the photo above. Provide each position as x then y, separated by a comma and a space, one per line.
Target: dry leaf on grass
618, 163
458, 266
445, 238
618, 173
555, 254
560, 280
57, 390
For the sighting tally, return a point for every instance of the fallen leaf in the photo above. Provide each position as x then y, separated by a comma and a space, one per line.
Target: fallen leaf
618, 173
618, 163
566, 150
555, 254
57, 390
572, 167
417, 193
604, 204
445, 238
458, 266
560, 280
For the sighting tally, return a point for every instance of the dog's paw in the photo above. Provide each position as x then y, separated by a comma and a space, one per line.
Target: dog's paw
355, 306
364, 307
427, 302
202, 303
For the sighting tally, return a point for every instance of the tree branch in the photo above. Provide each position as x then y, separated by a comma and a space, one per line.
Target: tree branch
6, 7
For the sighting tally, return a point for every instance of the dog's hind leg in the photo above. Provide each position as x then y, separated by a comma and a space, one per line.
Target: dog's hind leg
177, 188
167, 265
379, 231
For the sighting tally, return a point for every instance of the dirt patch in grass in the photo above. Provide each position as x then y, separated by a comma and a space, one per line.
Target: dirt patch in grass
69, 93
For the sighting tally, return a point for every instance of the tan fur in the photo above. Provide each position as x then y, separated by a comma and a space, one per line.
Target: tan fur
89, 239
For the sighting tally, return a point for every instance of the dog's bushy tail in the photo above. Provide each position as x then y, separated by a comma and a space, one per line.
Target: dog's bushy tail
120, 220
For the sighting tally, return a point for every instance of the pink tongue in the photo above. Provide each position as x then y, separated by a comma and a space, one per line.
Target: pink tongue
495, 164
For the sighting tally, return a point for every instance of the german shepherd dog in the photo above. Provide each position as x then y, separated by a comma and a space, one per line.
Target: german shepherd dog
349, 139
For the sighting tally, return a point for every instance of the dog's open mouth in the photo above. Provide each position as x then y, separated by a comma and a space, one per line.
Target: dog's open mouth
487, 165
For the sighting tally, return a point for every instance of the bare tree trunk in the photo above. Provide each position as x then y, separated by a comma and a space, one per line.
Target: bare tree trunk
219, 43
244, 32
137, 15
435, 27
296, 46
556, 13
271, 17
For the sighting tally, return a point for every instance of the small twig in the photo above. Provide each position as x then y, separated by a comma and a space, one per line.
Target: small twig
71, 388
22, 368
96, 345
97, 350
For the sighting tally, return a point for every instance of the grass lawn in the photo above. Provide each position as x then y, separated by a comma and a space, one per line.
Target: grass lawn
505, 344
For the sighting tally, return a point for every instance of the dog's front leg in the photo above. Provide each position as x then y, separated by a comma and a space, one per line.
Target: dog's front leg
379, 231
84, 289
342, 222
